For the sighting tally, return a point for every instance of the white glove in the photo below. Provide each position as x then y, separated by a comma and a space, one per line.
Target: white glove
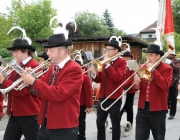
168, 61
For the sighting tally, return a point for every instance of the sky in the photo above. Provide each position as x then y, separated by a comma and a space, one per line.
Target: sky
131, 16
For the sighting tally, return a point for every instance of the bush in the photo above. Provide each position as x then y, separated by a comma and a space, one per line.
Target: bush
5, 53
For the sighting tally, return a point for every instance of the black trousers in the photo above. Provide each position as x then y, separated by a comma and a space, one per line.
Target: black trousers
82, 123
128, 107
57, 134
173, 93
18, 126
114, 112
150, 120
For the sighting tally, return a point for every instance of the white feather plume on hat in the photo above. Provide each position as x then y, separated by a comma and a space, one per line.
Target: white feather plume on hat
24, 33
62, 29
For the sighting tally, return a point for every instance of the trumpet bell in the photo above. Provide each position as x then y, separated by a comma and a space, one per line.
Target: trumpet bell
145, 74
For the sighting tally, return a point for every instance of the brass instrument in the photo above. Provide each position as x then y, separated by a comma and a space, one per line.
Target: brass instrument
142, 73
36, 73
6, 71
76, 52
93, 60
98, 64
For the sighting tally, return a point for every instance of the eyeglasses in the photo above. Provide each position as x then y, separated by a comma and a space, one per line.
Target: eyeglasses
108, 49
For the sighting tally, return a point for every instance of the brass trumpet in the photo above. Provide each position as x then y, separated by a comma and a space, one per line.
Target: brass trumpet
36, 72
6, 71
142, 73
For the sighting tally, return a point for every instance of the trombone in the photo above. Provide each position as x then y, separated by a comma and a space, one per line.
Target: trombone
36, 72
142, 73
99, 63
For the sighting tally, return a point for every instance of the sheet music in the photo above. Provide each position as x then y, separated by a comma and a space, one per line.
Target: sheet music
17, 68
89, 55
132, 65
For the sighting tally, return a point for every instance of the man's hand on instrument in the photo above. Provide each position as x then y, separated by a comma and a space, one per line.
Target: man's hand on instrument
93, 70
27, 78
88, 110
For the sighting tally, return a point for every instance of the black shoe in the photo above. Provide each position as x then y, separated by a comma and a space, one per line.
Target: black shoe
171, 117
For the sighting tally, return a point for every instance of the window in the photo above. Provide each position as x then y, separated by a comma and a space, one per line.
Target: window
150, 36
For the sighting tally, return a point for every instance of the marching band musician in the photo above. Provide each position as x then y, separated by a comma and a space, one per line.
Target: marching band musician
60, 94
43, 57
23, 108
85, 104
152, 104
128, 106
111, 77
173, 91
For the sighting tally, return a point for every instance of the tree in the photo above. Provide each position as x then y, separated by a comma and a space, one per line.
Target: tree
33, 17
90, 24
176, 15
108, 21
118, 32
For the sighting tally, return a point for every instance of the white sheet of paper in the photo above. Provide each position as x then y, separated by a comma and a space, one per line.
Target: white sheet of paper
132, 65
89, 55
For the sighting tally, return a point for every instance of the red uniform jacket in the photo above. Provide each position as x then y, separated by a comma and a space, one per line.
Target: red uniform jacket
158, 88
22, 103
60, 102
111, 78
86, 92
1, 105
129, 82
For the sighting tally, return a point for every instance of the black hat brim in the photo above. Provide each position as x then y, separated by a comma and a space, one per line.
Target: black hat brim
22, 47
127, 56
151, 51
67, 43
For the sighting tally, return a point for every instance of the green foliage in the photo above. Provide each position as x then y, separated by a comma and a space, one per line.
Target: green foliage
118, 32
33, 17
5, 53
108, 21
90, 24
176, 15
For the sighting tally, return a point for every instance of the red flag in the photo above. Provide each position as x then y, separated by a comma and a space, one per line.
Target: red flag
169, 26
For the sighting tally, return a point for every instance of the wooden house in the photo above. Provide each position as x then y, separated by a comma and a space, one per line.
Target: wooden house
96, 45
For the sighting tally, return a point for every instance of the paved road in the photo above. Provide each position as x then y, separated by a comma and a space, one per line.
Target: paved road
172, 128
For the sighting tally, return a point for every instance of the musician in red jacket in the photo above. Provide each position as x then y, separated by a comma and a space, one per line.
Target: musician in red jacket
59, 89
85, 104
111, 77
128, 106
23, 107
152, 104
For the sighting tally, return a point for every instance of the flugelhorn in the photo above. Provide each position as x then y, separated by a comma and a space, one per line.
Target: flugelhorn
142, 73
36, 72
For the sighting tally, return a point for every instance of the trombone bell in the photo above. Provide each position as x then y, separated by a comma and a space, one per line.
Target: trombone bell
144, 73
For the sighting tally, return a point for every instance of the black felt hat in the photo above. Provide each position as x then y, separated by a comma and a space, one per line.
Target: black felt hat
44, 55
20, 43
57, 40
127, 54
153, 48
114, 44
